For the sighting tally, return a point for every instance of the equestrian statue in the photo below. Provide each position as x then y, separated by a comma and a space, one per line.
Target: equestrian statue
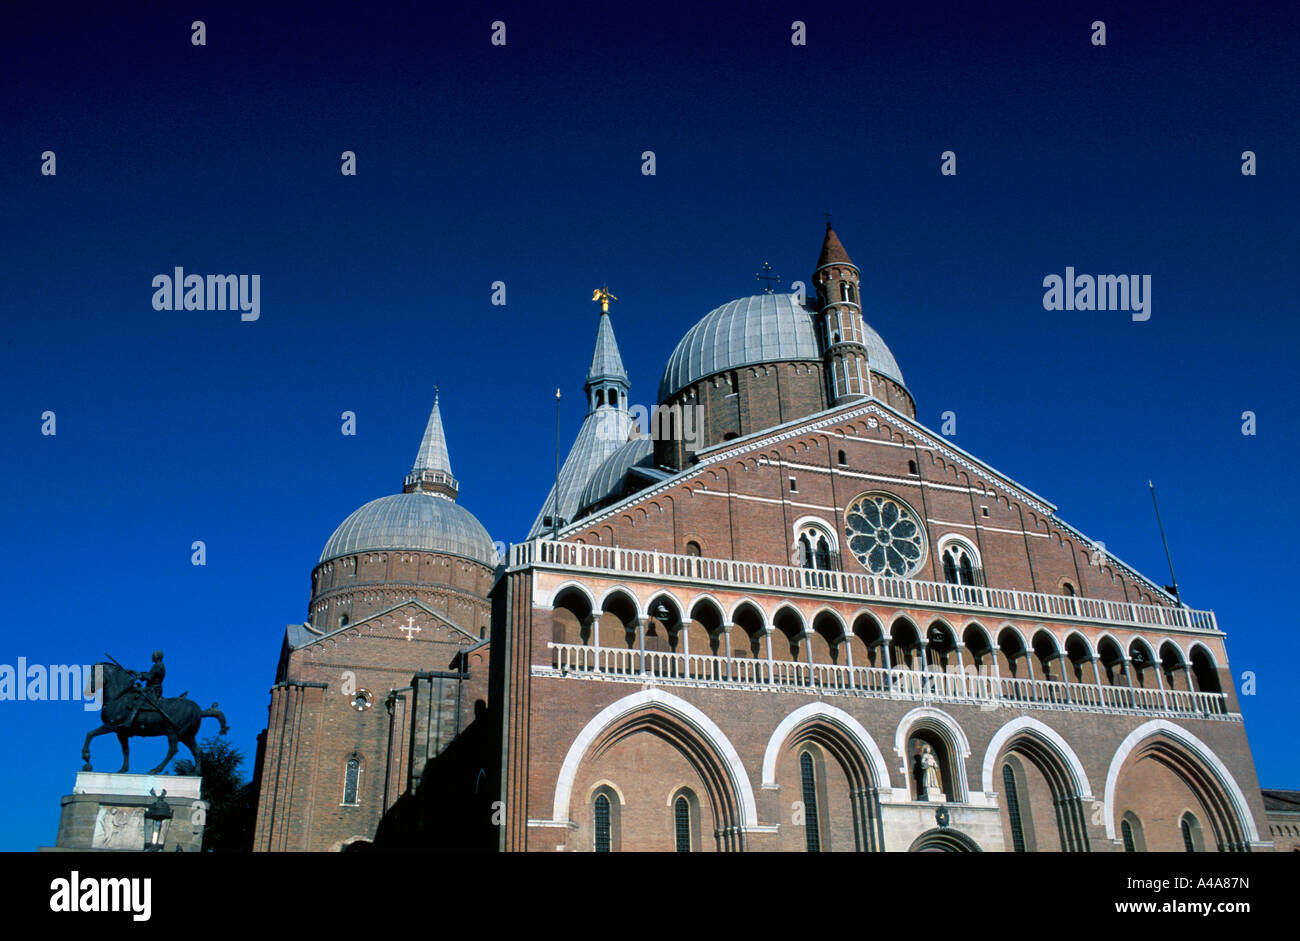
132, 710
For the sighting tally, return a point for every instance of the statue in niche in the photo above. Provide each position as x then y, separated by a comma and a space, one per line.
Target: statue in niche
928, 764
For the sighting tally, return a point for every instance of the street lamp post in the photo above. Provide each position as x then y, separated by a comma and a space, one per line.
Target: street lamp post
155, 817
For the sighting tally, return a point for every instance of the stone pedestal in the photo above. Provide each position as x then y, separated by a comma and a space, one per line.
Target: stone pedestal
105, 812
935, 795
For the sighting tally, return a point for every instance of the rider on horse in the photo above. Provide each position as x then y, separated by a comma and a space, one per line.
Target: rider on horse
152, 693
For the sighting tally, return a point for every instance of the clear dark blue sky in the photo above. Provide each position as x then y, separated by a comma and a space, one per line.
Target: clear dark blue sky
522, 164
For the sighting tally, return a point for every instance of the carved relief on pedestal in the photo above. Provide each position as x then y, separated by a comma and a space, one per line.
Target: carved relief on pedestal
119, 828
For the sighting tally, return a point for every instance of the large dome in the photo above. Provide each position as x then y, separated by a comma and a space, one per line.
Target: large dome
765, 328
418, 520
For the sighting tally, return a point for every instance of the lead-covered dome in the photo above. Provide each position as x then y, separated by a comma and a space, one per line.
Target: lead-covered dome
608, 479
418, 521
765, 328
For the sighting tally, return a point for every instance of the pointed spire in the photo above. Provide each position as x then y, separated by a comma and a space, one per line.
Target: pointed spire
606, 383
606, 427
832, 251
431, 471
606, 363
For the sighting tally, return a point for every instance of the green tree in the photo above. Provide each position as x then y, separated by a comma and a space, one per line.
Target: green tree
232, 802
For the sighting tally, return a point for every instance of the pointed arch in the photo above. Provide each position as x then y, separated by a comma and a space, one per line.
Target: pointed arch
1202, 752
903, 619
833, 716
694, 719
827, 611
789, 610
1044, 640
1076, 642
840, 775
977, 639
1205, 669
710, 604
748, 604
670, 602
1025, 725
567, 596
1006, 628
623, 598
942, 624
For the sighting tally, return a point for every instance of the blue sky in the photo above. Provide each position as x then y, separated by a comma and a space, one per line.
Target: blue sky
523, 164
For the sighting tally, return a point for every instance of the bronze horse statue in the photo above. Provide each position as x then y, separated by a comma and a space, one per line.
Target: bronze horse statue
179, 719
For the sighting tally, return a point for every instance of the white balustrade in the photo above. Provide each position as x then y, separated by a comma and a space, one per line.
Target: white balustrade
730, 573
897, 683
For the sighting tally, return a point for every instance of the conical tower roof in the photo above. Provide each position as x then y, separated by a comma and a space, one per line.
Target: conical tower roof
833, 252
606, 363
604, 430
432, 468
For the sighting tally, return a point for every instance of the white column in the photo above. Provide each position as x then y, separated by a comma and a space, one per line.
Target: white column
806, 638
726, 636
1160, 684
994, 650
767, 638
1129, 697
1096, 672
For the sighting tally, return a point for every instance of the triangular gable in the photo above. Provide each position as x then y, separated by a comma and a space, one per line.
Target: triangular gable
994, 479
305, 639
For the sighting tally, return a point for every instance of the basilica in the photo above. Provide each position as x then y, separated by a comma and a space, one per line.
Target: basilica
777, 614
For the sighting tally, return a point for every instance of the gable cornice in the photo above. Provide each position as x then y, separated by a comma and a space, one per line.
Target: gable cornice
871, 408
355, 625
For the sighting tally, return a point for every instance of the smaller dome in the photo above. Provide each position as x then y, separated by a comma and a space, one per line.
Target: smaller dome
417, 521
607, 480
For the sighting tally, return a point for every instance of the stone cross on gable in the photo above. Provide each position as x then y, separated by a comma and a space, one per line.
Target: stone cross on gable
409, 627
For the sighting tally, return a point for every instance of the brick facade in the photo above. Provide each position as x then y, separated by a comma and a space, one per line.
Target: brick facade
364, 692
711, 663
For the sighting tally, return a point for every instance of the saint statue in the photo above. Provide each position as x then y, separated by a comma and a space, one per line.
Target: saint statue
929, 762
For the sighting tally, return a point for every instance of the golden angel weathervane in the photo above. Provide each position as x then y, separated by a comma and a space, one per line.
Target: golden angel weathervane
602, 294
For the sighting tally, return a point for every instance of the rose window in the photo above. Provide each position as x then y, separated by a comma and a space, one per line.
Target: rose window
885, 535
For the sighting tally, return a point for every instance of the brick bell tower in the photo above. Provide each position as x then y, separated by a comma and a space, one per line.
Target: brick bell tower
840, 322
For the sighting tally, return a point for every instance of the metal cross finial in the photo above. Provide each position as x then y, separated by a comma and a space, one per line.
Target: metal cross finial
828, 217
763, 276
602, 294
